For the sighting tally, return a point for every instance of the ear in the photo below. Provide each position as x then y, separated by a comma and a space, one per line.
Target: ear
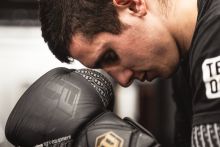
136, 7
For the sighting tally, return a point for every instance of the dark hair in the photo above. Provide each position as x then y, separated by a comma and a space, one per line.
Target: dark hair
62, 19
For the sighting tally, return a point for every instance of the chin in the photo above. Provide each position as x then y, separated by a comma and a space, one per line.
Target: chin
171, 72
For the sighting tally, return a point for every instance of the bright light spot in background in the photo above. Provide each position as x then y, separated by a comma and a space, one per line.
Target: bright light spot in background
127, 102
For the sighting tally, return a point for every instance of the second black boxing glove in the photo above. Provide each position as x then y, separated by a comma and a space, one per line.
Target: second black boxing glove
108, 130
58, 104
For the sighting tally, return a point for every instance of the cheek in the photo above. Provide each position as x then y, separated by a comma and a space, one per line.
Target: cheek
129, 58
136, 60
166, 59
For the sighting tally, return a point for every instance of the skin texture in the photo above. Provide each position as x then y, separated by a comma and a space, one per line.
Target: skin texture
150, 45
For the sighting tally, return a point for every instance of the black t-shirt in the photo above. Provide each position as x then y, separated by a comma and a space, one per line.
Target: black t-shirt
203, 64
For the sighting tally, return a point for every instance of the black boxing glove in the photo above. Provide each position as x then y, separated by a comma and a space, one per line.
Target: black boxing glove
68, 108
60, 103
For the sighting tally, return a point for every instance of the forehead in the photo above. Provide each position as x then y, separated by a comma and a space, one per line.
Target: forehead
86, 50
79, 42
79, 46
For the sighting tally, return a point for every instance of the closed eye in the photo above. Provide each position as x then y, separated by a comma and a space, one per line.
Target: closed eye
107, 59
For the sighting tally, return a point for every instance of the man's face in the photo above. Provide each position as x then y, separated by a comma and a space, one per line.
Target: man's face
144, 50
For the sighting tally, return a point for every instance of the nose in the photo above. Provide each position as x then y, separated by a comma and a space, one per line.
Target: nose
123, 76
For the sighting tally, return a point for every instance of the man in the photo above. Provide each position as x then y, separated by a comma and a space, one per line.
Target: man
145, 39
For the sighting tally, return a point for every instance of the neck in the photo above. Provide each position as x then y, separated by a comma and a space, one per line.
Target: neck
181, 22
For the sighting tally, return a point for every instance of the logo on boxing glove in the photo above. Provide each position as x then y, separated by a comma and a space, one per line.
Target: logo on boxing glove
109, 139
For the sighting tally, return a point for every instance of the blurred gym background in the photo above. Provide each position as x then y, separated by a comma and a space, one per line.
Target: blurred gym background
24, 57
